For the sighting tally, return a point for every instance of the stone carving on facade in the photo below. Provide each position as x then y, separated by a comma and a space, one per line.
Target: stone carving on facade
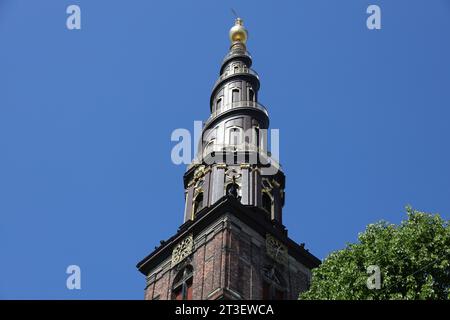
267, 186
198, 187
182, 250
233, 176
199, 175
276, 250
199, 172
267, 183
233, 183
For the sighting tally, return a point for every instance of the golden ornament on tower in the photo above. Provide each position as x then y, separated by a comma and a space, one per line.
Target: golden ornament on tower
238, 33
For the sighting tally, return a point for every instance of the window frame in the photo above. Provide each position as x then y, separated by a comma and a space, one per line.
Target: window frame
184, 284
196, 208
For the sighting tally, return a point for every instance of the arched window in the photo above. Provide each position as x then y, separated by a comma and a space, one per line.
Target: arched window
247, 142
198, 204
182, 284
209, 147
262, 139
235, 96
267, 202
251, 95
235, 136
219, 104
274, 286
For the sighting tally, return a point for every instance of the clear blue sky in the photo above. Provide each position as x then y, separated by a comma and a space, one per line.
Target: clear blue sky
86, 117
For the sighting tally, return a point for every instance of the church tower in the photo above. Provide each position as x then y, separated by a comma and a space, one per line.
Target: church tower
232, 244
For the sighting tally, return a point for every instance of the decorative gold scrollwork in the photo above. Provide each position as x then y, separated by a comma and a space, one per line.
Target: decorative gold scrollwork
182, 250
276, 250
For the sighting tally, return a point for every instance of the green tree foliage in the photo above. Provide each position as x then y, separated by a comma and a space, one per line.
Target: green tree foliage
413, 259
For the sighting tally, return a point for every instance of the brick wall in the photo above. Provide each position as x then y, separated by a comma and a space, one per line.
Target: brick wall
228, 261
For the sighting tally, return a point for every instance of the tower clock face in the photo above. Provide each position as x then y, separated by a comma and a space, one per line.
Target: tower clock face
276, 250
182, 250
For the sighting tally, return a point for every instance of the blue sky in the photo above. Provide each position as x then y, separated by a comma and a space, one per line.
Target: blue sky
86, 117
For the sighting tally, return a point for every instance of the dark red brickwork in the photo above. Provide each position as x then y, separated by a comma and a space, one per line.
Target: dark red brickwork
228, 263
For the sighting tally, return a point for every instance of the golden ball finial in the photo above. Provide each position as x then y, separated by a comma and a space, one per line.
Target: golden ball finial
238, 33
